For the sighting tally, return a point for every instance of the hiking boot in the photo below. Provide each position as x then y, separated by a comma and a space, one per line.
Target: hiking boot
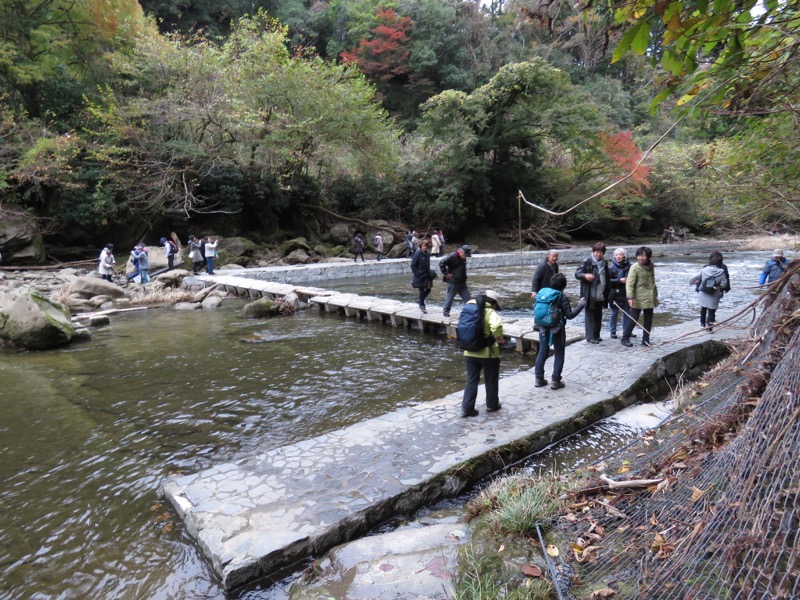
471, 413
540, 382
613, 336
423, 309
711, 327
495, 409
556, 384
626, 342
646, 343
446, 314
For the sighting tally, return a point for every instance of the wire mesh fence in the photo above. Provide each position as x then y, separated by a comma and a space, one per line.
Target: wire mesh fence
720, 517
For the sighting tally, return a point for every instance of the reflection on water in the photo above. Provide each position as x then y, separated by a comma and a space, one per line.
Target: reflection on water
89, 431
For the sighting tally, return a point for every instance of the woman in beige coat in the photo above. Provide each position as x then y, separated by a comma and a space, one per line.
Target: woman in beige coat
642, 295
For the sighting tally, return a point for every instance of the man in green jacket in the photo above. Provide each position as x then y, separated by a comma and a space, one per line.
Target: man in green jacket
487, 360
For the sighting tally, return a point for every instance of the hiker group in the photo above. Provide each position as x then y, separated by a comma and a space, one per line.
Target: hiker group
626, 289
202, 252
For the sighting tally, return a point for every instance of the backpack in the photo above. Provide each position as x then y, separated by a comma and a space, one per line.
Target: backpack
709, 285
173, 249
547, 308
471, 334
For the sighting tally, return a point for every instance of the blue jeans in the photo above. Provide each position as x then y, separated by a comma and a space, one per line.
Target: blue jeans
145, 273
209, 264
378, 256
491, 376
452, 290
559, 341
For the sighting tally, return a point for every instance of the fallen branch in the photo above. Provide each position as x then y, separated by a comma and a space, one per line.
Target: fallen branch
614, 485
611, 510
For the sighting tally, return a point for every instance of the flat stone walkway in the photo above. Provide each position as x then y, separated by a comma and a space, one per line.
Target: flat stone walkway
265, 512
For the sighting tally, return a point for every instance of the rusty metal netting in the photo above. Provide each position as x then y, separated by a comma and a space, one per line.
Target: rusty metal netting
724, 521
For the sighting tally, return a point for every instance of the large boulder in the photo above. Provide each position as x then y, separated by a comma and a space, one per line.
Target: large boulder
20, 239
290, 246
341, 234
236, 247
89, 287
29, 320
261, 308
297, 257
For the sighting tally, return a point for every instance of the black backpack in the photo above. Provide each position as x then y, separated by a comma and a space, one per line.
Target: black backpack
471, 335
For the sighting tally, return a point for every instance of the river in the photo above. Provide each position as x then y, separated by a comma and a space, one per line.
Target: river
89, 431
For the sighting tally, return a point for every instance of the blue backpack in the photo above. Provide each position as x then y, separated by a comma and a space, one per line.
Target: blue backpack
547, 308
471, 334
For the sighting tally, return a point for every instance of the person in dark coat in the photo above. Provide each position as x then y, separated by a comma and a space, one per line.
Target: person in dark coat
595, 280
618, 269
454, 268
421, 268
556, 336
358, 248
544, 272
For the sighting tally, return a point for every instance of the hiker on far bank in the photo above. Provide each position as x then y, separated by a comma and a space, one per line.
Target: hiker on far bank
486, 359
143, 261
107, 262
195, 255
554, 335
544, 272
378, 243
441, 242
211, 253
170, 249
421, 268
409, 244
774, 269
454, 268
595, 280
358, 248
436, 244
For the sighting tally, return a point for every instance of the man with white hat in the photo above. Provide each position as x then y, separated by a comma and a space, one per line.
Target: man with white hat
774, 268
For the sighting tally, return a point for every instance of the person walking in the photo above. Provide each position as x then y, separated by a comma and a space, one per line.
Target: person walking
595, 280
774, 268
378, 243
436, 244
195, 255
711, 283
211, 254
421, 268
107, 262
555, 336
143, 260
454, 268
135, 262
486, 360
170, 250
544, 272
642, 296
358, 248
617, 299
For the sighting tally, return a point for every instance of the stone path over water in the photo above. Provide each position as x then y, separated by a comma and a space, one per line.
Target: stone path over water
261, 513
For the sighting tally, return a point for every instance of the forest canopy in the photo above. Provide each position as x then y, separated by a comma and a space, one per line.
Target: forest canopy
423, 112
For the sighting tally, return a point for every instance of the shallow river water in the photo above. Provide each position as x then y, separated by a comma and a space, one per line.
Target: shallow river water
88, 432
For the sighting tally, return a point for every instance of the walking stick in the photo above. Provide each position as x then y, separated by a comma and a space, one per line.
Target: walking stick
625, 310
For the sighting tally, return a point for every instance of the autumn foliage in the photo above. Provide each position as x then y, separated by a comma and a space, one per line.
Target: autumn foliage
385, 56
625, 154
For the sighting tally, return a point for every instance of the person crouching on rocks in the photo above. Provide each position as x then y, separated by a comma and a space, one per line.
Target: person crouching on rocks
556, 335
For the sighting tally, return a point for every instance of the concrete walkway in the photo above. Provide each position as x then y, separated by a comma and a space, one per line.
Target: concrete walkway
265, 512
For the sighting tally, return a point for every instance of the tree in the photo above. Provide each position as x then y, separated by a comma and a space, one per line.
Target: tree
54, 51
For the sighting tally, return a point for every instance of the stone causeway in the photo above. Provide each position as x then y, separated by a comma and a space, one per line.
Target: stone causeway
268, 511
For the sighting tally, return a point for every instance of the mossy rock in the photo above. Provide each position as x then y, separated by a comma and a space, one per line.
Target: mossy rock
298, 243
260, 309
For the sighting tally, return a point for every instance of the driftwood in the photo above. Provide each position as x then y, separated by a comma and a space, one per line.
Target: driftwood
76, 263
614, 485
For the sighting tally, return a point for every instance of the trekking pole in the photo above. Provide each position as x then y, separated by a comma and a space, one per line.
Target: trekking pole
625, 310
